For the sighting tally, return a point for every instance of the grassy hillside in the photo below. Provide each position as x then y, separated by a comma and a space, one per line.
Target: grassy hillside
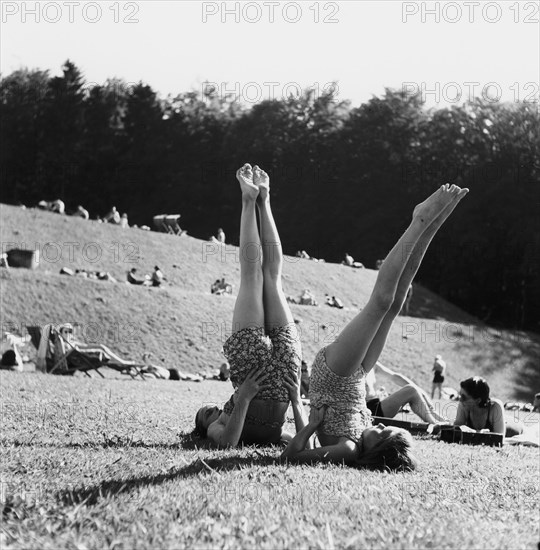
184, 325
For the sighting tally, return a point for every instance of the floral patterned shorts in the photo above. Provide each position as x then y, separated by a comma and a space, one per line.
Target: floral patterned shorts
279, 353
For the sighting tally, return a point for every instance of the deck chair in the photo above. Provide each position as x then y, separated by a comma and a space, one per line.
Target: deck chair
168, 223
59, 364
74, 360
159, 223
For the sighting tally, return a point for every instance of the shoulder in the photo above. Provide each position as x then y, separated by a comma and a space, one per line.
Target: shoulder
216, 428
497, 405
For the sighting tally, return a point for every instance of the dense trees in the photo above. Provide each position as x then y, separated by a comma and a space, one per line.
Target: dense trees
345, 179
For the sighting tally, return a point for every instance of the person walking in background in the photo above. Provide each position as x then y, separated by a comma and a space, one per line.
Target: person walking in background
407, 304
439, 368
221, 236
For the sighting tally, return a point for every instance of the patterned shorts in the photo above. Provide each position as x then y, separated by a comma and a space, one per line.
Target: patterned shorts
278, 353
347, 414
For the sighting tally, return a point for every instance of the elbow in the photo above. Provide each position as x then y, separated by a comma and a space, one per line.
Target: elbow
289, 454
222, 442
286, 454
225, 444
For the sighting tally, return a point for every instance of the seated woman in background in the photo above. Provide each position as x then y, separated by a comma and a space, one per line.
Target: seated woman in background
57, 343
478, 411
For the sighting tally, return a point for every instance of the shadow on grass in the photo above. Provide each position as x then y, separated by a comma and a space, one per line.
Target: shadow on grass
90, 496
120, 443
188, 442
425, 304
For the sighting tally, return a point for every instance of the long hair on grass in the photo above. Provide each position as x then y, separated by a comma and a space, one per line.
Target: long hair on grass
393, 453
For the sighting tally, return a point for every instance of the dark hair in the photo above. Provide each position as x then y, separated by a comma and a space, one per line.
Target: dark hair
394, 453
9, 359
200, 429
477, 388
174, 374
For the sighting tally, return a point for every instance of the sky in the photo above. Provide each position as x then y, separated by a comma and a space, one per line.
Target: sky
450, 51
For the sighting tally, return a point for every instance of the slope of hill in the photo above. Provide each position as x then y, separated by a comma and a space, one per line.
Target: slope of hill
184, 325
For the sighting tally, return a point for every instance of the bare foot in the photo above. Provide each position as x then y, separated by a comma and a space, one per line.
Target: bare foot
427, 211
262, 181
457, 195
245, 176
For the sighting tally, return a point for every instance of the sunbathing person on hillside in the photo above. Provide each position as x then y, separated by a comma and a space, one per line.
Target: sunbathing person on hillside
113, 216
264, 350
221, 287
57, 206
480, 412
333, 301
409, 394
157, 277
349, 261
82, 213
67, 342
339, 413
134, 280
11, 357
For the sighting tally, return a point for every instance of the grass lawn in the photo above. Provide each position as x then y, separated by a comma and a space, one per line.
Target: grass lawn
109, 463
92, 463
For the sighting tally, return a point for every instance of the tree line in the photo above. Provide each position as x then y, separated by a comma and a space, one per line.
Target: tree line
345, 179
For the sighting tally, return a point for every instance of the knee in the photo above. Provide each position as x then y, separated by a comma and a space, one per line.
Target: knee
254, 275
272, 274
395, 307
411, 391
383, 300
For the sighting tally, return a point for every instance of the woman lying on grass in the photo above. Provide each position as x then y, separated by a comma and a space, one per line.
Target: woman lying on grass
264, 350
479, 412
409, 394
339, 413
